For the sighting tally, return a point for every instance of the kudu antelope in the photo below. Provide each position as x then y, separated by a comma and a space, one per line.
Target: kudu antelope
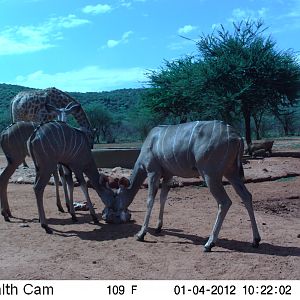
55, 143
13, 142
211, 149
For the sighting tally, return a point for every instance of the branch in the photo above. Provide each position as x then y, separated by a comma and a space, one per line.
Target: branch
186, 38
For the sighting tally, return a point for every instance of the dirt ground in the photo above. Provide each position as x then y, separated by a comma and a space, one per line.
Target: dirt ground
109, 251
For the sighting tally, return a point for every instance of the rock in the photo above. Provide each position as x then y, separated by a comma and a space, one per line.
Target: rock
23, 225
81, 206
20, 179
293, 197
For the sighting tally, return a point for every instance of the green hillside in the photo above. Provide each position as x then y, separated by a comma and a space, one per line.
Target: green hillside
118, 101
118, 119
109, 112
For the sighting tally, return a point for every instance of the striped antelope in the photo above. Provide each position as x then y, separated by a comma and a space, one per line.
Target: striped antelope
64, 172
55, 143
14, 145
211, 149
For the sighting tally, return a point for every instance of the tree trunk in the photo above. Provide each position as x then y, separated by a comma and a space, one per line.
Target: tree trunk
247, 119
257, 128
286, 128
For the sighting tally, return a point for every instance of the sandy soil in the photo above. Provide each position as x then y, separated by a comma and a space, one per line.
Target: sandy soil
109, 251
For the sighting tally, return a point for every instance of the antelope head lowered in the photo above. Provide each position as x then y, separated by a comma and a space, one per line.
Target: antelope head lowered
55, 143
211, 149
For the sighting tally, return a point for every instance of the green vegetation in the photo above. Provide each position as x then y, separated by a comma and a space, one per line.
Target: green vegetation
111, 113
239, 77
236, 76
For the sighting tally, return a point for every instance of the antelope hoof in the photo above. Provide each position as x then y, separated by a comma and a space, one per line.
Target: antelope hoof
60, 209
6, 216
95, 220
255, 243
6, 219
207, 248
140, 237
158, 229
47, 229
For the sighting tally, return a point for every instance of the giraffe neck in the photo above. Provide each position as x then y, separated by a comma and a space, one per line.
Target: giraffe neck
61, 99
30, 106
82, 119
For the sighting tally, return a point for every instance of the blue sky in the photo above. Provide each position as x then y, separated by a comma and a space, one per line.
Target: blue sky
96, 45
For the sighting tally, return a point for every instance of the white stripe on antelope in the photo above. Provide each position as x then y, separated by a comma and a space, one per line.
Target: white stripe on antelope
211, 149
73, 151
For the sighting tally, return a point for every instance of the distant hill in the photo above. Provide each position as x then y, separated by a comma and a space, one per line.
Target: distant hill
118, 101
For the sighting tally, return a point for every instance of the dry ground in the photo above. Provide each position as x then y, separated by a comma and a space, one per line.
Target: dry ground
108, 251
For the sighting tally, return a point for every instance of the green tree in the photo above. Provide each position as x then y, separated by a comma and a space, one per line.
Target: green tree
143, 119
4, 120
238, 74
174, 89
246, 67
102, 120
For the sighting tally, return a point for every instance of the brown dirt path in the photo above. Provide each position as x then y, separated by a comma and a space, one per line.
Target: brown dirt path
108, 251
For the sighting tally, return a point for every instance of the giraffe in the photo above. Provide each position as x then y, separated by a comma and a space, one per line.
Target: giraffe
31, 106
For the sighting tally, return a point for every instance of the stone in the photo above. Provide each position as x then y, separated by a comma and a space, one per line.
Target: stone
23, 225
20, 179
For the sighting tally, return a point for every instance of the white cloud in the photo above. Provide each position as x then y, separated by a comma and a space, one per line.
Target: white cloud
126, 3
97, 9
87, 79
126, 35
27, 39
68, 22
293, 12
288, 21
186, 29
112, 43
124, 39
239, 14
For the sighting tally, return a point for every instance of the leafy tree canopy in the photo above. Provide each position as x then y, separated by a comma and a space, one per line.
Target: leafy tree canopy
236, 74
